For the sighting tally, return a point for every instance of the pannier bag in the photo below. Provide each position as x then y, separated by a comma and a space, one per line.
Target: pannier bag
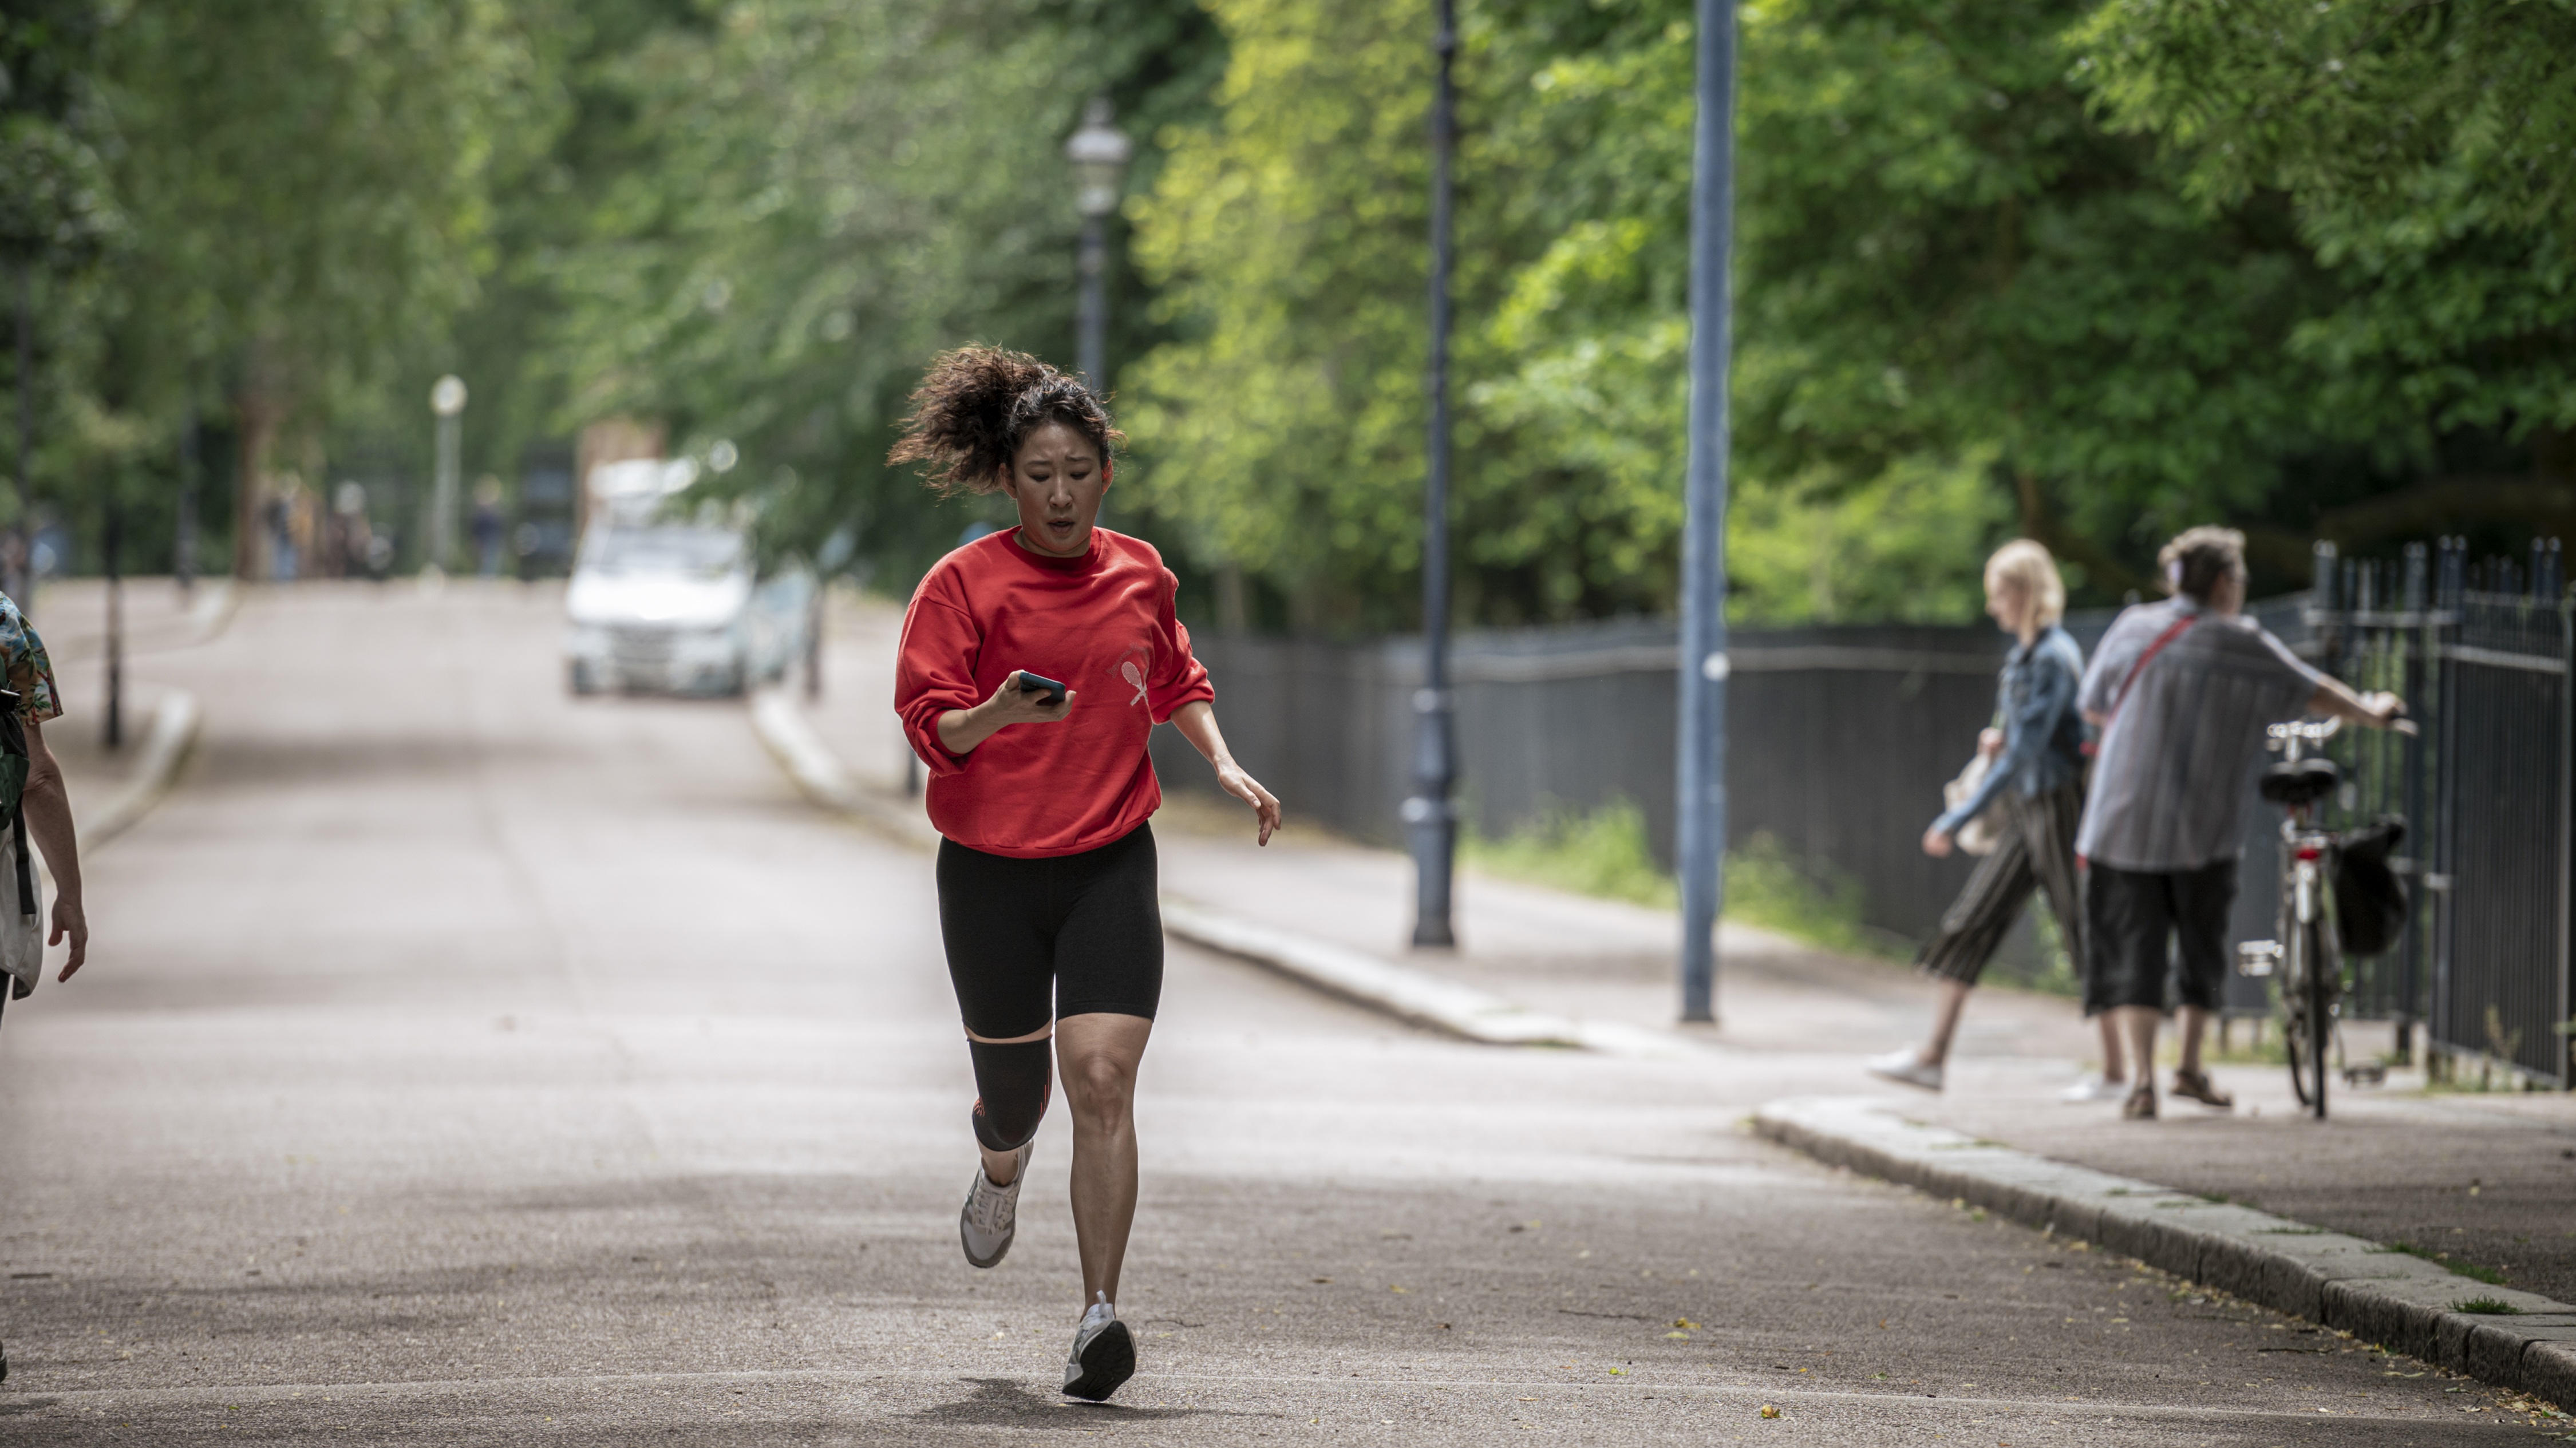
2369, 899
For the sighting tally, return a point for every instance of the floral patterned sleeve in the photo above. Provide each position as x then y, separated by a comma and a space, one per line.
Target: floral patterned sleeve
31, 674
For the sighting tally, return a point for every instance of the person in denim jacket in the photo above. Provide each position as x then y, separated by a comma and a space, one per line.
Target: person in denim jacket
2035, 782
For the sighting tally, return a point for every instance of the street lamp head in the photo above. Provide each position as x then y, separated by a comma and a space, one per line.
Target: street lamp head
447, 397
1099, 153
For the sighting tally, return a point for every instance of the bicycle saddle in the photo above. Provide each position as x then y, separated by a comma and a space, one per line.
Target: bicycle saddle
2301, 782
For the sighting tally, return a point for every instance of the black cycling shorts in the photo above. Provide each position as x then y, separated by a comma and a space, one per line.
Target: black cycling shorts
2143, 926
1033, 940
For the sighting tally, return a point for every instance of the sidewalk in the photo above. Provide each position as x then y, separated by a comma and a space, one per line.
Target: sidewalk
2487, 1179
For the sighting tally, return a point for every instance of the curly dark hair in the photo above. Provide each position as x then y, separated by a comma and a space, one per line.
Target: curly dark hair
976, 406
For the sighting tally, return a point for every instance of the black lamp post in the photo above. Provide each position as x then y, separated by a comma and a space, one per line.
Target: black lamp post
1099, 153
184, 542
1430, 815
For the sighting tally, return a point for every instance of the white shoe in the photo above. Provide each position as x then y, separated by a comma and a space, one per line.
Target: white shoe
991, 1214
1103, 1355
1906, 1066
2094, 1087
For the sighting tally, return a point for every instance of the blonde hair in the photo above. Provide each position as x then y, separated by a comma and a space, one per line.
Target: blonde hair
2027, 565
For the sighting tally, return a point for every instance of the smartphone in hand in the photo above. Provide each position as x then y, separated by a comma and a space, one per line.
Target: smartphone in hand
1040, 684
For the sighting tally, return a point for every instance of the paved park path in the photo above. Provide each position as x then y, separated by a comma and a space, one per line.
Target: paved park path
461, 1063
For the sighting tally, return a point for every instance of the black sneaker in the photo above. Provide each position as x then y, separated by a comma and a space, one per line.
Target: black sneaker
1103, 1356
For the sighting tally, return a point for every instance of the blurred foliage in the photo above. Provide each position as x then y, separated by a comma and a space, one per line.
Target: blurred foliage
817, 195
259, 208
2085, 269
1597, 852
1603, 851
1962, 307
2426, 152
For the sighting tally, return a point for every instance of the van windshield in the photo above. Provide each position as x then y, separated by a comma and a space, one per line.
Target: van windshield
663, 552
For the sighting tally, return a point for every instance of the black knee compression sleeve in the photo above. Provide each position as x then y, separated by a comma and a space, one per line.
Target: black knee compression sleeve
1013, 1082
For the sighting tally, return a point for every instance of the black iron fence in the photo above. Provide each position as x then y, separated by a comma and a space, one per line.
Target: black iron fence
1839, 740
2480, 652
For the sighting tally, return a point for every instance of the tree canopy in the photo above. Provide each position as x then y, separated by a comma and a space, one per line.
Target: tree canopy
2088, 270
2428, 155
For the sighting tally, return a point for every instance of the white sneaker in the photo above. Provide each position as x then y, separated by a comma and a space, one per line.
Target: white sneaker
1906, 1066
2094, 1087
1103, 1355
991, 1213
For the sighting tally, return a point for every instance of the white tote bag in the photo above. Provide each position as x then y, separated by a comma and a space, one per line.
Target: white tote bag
1984, 834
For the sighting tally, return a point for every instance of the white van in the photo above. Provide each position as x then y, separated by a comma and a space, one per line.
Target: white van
661, 607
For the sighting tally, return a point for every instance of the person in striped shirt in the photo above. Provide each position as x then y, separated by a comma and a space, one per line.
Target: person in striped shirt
2182, 690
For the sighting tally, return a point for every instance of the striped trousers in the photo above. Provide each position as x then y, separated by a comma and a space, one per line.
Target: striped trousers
2037, 852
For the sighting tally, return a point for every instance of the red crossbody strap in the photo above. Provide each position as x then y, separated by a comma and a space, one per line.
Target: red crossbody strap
2144, 659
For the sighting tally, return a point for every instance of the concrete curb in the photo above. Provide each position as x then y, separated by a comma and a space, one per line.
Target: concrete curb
2390, 1298
214, 613
1413, 996
816, 770
166, 747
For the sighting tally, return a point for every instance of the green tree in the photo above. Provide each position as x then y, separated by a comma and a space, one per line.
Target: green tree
309, 187
59, 225
1283, 433
1961, 305
816, 197
2427, 152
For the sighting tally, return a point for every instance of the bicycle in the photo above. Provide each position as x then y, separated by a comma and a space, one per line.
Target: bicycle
2306, 955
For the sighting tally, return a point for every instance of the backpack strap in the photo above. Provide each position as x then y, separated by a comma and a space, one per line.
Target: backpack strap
13, 741
26, 872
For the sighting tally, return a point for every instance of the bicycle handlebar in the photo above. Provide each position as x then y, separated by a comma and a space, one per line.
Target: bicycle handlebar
2304, 730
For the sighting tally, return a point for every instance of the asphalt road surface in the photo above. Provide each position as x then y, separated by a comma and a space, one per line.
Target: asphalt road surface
461, 1063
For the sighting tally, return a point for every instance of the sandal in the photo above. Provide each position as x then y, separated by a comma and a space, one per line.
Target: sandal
2196, 1085
2141, 1105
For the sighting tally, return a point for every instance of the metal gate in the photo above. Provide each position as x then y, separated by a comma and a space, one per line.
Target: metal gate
2500, 979
2481, 653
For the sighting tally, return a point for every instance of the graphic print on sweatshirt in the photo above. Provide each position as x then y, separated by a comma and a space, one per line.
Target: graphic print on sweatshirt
1136, 666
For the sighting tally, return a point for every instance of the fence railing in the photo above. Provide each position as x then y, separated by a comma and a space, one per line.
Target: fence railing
2481, 653
1840, 740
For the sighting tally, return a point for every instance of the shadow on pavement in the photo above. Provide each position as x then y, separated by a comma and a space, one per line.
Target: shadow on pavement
1004, 1403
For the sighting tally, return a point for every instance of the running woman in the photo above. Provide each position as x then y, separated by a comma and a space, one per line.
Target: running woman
1035, 661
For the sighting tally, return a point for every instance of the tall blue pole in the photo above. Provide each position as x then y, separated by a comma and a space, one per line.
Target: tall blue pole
1429, 815
1701, 814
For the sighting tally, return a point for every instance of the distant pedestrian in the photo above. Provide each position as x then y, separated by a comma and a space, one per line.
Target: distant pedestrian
487, 526
2182, 690
2035, 781
1034, 664
346, 533
43, 814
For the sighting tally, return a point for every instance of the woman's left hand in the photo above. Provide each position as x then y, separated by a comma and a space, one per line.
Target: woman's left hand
1936, 844
1231, 778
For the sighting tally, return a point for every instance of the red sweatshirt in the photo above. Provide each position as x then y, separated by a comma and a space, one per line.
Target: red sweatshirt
1101, 624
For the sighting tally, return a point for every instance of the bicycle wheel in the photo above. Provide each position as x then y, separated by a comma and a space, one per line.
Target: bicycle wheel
2319, 1008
